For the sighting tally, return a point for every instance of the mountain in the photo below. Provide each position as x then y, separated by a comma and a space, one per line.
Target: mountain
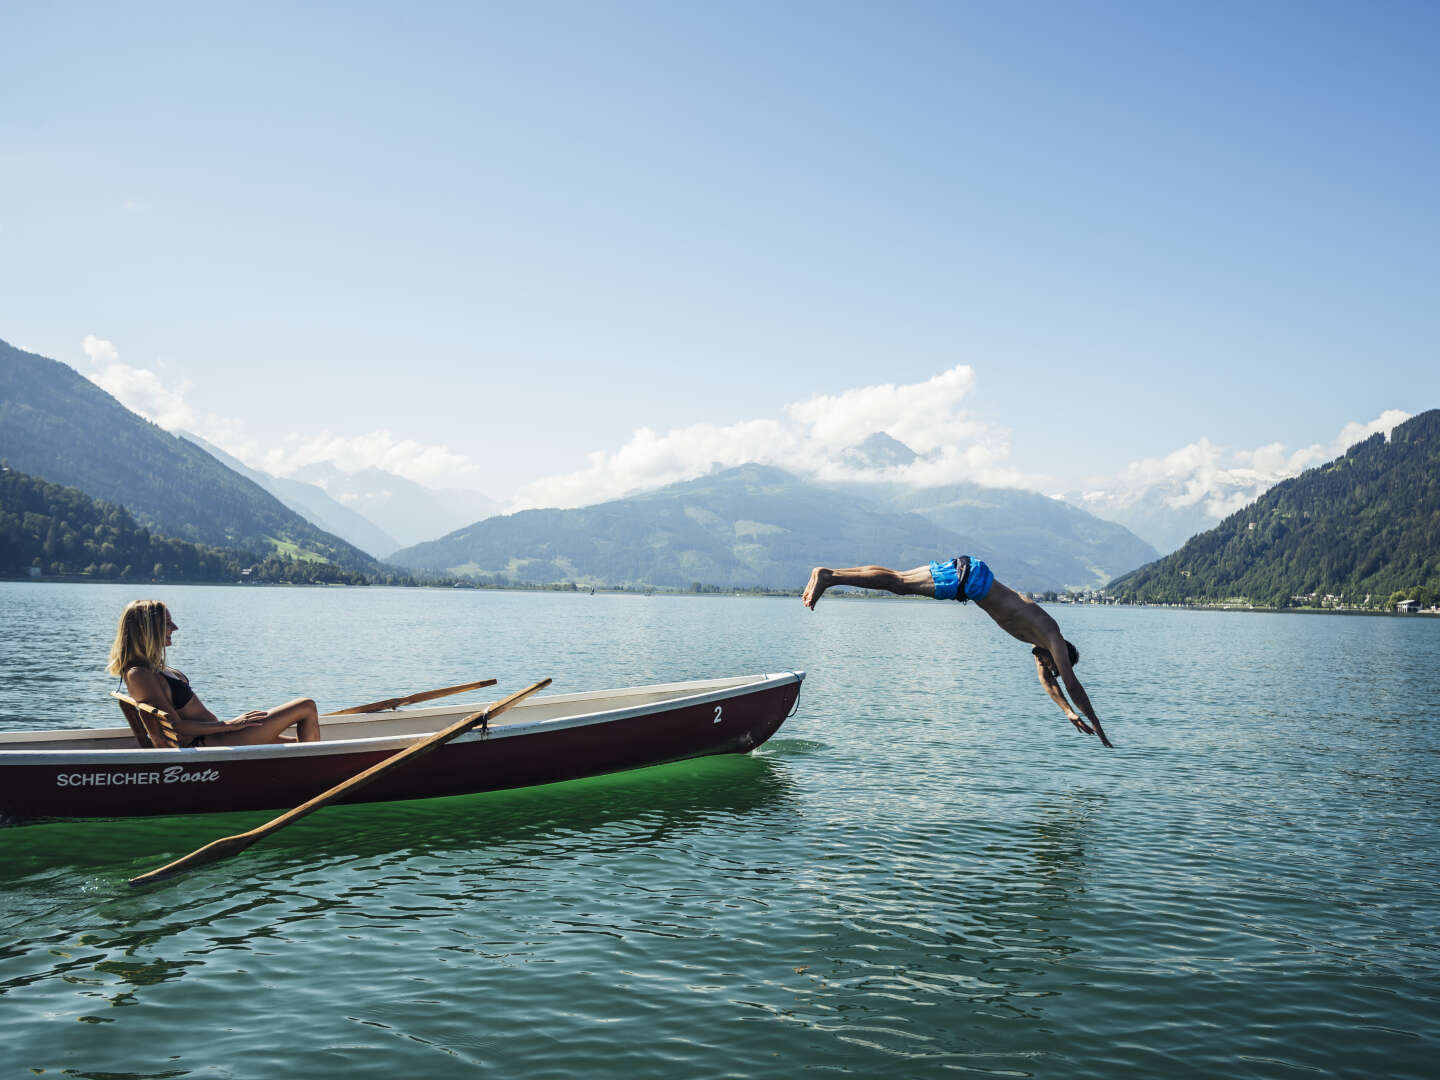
748, 526
1365, 524
61, 530
48, 529
60, 426
879, 451
404, 509
1165, 515
311, 503
1062, 541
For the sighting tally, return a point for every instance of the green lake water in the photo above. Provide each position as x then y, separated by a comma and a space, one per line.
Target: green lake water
926, 873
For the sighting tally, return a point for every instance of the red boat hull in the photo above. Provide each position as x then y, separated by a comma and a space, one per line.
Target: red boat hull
148, 782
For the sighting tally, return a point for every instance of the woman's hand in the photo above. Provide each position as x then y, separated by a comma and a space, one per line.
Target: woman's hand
247, 719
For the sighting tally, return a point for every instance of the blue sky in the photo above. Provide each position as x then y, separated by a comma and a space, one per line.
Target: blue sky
486, 244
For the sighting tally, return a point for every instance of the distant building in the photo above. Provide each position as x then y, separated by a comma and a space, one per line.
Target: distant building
33, 571
1409, 607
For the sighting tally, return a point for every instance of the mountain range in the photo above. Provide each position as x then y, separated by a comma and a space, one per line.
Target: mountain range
1363, 525
1077, 548
62, 428
1164, 514
754, 525
1367, 521
749, 526
49, 530
758, 527
401, 508
311, 502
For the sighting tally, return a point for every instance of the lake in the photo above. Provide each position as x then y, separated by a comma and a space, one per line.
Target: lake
926, 873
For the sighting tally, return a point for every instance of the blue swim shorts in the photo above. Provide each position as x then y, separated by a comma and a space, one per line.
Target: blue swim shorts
946, 577
962, 578
978, 580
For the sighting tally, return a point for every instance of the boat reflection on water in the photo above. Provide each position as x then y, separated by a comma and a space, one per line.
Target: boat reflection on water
644, 805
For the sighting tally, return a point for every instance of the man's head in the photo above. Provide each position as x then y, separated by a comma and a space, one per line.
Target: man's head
1043, 655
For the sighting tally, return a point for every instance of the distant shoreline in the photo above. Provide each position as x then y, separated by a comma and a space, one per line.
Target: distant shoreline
709, 591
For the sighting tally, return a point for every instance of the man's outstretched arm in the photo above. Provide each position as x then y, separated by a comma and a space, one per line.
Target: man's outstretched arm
1082, 699
1052, 688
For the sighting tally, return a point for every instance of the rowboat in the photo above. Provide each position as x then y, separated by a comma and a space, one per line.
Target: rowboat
544, 739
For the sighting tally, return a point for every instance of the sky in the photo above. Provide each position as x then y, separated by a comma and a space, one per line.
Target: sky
559, 251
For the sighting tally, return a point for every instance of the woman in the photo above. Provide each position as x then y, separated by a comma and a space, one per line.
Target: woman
138, 656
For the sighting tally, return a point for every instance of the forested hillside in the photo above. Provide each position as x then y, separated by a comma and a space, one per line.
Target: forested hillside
60, 426
1365, 525
61, 531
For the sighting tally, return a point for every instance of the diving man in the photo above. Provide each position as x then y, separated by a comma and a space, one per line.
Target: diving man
968, 578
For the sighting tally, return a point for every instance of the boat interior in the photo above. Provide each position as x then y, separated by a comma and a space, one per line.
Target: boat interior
409, 721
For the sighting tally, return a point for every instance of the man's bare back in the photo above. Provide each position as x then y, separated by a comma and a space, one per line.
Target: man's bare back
1018, 616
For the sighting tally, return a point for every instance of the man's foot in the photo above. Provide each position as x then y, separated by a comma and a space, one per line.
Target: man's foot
820, 580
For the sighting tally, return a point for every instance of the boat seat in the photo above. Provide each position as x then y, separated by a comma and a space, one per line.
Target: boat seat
152, 727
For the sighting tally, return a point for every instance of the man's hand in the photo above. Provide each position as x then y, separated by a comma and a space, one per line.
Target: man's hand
1081, 725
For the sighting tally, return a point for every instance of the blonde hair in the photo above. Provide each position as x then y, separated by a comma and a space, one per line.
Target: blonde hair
140, 637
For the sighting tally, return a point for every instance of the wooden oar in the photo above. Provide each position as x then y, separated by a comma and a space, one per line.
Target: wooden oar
230, 845
396, 702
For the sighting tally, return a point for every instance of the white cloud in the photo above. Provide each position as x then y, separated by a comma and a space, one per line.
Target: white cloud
808, 438
1198, 476
138, 389
162, 400
432, 466
924, 416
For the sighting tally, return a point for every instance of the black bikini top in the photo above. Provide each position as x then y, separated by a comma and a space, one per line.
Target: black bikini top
180, 692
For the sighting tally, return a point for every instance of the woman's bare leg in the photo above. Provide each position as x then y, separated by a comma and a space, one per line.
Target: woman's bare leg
917, 582
301, 713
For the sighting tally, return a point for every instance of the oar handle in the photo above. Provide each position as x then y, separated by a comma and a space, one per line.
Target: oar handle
230, 845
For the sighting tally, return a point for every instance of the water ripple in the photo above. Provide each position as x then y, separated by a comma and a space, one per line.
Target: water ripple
926, 874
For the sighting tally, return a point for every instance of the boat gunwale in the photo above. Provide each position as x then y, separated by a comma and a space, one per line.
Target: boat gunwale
721, 689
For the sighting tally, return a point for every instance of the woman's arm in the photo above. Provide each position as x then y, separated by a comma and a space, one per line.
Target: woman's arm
194, 719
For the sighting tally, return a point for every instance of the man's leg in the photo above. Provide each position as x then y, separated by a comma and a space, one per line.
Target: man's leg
917, 582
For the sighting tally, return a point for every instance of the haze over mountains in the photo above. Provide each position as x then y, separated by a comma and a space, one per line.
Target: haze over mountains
311, 502
375, 510
408, 511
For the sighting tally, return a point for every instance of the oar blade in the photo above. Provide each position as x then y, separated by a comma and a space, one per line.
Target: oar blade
231, 845
211, 852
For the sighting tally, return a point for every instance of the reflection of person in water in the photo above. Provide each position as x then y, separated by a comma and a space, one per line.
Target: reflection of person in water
138, 656
967, 578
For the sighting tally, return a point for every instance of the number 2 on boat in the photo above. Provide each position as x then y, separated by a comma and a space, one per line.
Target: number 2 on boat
717, 714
